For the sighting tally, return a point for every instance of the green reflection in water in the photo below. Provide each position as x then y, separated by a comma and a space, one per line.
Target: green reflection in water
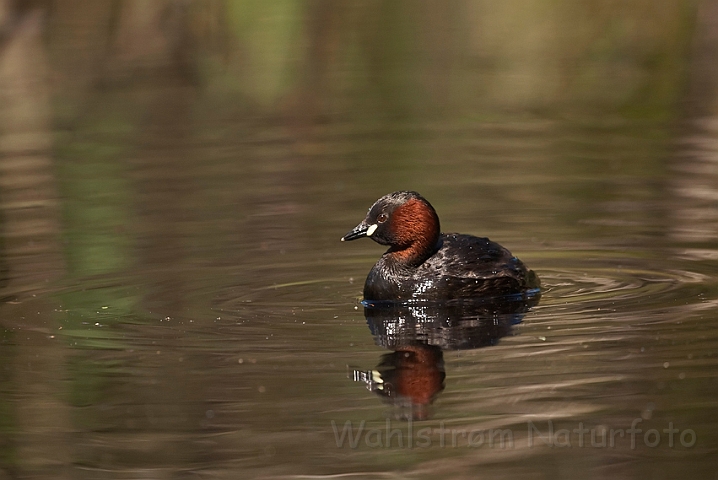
268, 37
97, 202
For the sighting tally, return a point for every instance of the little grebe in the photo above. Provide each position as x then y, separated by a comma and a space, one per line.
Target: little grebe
424, 264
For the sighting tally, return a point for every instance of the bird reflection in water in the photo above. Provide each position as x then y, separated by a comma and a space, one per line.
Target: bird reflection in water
411, 377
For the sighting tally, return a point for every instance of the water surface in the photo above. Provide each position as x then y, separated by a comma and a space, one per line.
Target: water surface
212, 325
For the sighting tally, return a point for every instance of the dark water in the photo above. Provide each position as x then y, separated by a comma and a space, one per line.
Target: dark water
176, 301
215, 329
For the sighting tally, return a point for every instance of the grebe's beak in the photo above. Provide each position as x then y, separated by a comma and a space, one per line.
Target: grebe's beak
361, 230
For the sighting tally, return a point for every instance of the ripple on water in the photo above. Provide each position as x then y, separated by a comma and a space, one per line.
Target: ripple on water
572, 279
622, 284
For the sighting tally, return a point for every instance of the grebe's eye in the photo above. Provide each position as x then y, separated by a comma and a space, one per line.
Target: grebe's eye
383, 217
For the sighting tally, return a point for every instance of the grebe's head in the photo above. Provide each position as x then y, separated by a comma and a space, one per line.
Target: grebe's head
403, 220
